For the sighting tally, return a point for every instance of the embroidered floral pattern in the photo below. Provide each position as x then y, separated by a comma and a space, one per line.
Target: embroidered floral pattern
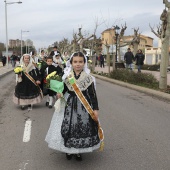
78, 129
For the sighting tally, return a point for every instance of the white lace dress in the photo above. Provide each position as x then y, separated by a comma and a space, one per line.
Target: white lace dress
83, 141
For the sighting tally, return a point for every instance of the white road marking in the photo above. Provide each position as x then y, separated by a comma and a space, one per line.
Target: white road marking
27, 131
23, 165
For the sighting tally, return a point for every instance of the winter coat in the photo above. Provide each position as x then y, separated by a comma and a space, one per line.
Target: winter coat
129, 57
139, 58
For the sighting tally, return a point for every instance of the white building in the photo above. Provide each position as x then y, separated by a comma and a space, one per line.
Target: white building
153, 54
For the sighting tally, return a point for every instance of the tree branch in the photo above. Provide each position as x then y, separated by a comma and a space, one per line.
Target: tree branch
153, 31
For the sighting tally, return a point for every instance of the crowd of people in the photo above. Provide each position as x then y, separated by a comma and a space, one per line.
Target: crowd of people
129, 59
13, 59
99, 60
73, 130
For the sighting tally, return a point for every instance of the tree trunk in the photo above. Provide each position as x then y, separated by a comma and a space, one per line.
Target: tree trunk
118, 49
93, 63
135, 48
81, 46
113, 61
163, 65
108, 59
164, 54
74, 47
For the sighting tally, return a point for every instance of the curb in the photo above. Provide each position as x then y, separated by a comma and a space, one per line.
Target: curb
148, 91
6, 73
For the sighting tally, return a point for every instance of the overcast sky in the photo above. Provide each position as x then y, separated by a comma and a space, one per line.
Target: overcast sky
53, 20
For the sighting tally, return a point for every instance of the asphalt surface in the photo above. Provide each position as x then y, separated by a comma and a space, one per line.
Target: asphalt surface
136, 127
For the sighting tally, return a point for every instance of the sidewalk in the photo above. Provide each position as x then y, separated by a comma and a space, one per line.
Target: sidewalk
151, 92
155, 73
5, 70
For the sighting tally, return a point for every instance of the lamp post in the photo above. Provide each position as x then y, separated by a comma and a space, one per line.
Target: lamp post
116, 28
6, 27
21, 40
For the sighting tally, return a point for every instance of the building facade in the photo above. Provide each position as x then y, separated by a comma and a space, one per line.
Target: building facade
16, 43
108, 36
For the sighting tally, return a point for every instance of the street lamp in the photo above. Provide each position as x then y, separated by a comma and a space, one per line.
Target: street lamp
21, 40
116, 28
8, 3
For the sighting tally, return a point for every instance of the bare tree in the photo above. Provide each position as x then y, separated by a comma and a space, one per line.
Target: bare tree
108, 55
83, 39
163, 33
121, 37
74, 43
158, 33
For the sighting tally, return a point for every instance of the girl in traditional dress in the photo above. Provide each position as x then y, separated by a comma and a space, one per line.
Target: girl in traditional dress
72, 129
65, 56
27, 90
57, 61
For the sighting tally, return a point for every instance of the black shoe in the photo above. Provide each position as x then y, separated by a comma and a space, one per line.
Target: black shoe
22, 107
78, 157
47, 104
29, 107
50, 106
69, 156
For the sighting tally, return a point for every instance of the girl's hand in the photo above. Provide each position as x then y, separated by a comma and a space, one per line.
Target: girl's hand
38, 82
96, 113
59, 95
19, 75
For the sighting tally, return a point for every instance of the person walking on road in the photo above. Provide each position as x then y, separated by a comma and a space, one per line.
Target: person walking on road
129, 58
3, 60
72, 129
13, 59
45, 72
101, 60
27, 91
139, 58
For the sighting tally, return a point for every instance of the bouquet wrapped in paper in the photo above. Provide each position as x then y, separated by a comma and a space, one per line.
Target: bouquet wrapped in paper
55, 83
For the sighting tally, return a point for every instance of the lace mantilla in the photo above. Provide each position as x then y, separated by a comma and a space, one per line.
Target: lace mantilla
83, 82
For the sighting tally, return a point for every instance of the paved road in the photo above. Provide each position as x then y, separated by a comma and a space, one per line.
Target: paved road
5, 70
136, 130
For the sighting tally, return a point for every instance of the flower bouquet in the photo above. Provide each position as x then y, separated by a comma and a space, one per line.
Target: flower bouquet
18, 70
90, 61
55, 83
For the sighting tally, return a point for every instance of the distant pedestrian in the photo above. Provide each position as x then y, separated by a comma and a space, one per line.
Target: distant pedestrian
56, 52
57, 61
66, 56
129, 58
98, 61
139, 58
13, 59
3, 60
101, 60
35, 57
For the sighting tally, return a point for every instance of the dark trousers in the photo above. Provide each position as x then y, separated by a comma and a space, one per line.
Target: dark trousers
102, 64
